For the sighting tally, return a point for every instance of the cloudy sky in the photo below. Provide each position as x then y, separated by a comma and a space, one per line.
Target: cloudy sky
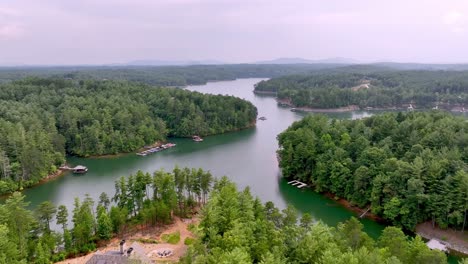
116, 31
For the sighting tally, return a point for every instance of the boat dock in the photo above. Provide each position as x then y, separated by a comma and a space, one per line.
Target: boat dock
298, 184
77, 169
152, 150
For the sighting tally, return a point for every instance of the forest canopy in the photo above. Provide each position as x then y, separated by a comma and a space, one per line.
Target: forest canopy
42, 120
409, 167
377, 88
235, 227
161, 75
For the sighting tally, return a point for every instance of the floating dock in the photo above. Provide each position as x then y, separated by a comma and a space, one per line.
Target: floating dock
152, 150
298, 184
78, 169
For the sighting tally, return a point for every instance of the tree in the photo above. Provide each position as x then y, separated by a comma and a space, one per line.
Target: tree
104, 201
62, 217
19, 220
45, 212
105, 228
395, 241
9, 252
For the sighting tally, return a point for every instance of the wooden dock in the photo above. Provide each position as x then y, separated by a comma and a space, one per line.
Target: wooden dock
363, 214
298, 184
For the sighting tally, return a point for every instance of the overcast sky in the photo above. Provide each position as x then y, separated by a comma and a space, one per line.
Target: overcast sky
116, 31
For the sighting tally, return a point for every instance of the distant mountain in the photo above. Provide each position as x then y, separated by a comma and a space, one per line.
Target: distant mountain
306, 61
173, 63
423, 66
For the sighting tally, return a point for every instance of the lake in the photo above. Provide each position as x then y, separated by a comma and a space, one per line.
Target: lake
247, 157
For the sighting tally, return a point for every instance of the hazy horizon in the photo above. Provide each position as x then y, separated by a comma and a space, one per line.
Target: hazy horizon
87, 32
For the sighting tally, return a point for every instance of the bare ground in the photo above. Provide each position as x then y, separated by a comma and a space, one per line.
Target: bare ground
178, 249
455, 240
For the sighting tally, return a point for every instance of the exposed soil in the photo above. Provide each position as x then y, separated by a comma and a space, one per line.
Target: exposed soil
359, 211
455, 240
179, 249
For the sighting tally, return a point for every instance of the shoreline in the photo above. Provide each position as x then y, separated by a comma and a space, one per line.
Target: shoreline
265, 92
456, 241
347, 204
59, 173
351, 108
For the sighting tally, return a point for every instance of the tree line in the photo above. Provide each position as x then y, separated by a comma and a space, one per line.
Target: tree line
42, 120
408, 167
141, 199
235, 227
160, 75
384, 89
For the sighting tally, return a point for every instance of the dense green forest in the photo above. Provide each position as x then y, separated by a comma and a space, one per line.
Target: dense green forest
42, 120
141, 199
409, 167
234, 228
237, 228
161, 75
371, 87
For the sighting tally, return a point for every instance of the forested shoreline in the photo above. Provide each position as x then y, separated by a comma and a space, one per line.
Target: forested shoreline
43, 120
235, 226
408, 167
141, 199
374, 89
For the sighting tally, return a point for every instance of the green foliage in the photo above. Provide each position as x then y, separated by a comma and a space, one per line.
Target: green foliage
376, 88
228, 234
45, 212
409, 167
172, 238
42, 120
161, 75
189, 241
104, 224
147, 240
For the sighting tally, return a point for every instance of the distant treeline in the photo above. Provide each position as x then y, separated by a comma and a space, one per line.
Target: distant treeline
371, 87
162, 75
409, 168
42, 120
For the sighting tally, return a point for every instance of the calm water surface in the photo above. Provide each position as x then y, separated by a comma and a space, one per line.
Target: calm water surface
247, 157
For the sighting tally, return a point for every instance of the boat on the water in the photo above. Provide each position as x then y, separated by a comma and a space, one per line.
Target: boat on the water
262, 118
197, 139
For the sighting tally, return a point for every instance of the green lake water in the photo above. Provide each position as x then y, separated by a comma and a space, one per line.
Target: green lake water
247, 157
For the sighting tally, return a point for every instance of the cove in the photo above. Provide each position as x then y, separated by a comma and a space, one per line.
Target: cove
247, 157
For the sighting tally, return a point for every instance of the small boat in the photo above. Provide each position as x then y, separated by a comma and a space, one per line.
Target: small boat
262, 118
197, 139
80, 169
